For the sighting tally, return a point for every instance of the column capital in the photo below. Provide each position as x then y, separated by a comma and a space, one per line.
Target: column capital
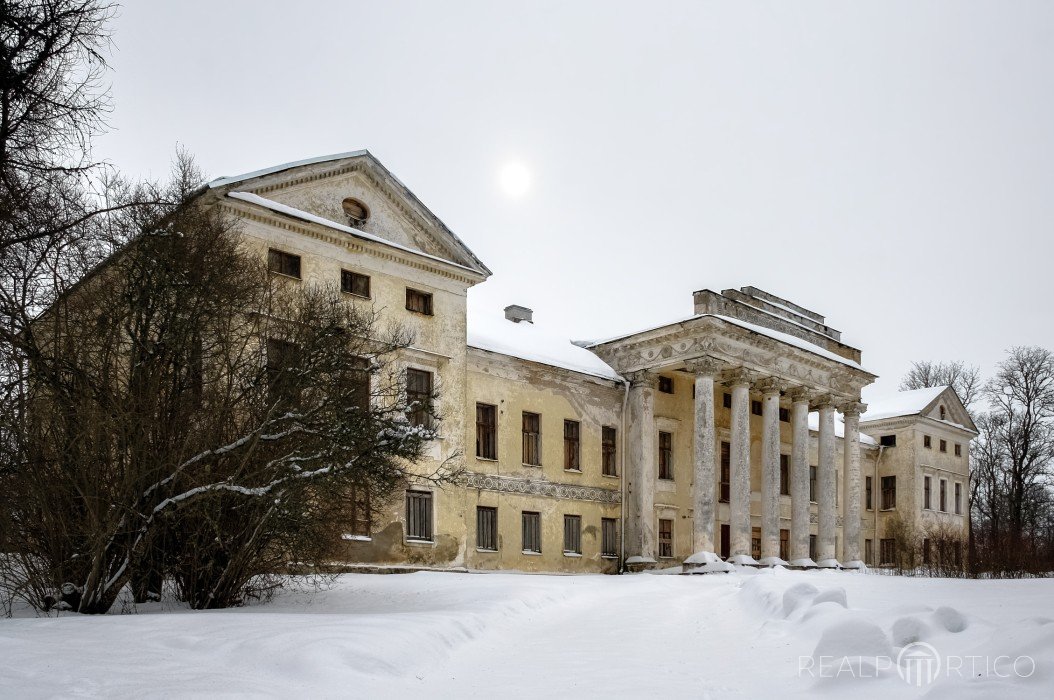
799, 394
822, 401
771, 385
738, 376
643, 378
852, 408
706, 366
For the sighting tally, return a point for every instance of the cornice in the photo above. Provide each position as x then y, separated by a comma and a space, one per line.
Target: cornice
541, 487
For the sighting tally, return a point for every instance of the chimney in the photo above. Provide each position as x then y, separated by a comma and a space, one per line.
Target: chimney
516, 314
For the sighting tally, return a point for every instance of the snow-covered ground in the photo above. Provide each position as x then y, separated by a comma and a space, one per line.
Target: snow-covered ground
766, 634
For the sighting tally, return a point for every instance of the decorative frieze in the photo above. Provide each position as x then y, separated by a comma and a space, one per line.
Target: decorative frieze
541, 487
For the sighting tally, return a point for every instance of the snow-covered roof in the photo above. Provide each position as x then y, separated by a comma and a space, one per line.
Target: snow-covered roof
228, 180
529, 342
839, 428
903, 403
761, 330
312, 218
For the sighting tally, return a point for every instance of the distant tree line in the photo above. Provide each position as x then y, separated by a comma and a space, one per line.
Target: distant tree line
1011, 467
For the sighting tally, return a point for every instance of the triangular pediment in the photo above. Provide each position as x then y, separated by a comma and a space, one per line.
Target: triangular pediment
320, 187
949, 408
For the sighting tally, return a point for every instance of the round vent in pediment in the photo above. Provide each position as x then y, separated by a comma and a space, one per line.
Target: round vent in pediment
355, 210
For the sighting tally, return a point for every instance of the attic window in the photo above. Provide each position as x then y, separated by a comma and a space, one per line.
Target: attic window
942, 413
355, 210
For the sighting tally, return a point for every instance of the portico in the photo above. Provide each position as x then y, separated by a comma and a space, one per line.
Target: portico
769, 362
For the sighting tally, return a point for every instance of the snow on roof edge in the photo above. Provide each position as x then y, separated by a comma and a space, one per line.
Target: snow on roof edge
312, 218
902, 403
231, 179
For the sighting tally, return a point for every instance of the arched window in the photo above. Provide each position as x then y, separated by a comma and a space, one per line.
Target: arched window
355, 210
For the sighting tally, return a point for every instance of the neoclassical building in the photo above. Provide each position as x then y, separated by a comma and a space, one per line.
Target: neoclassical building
735, 435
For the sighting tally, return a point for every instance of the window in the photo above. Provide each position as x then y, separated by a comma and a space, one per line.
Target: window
282, 356
958, 450
726, 542
926, 550
486, 431
888, 441
784, 475
665, 538
943, 413
785, 417
785, 545
927, 442
609, 537
726, 471
360, 512
869, 503
354, 283
283, 263
665, 384
869, 553
360, 393
356, 211
572, 534
886, 551
532, 439
608, 454
419, 516
487, 528
944, 445
926, 502
889, 492
665, 455
755, 408
812, 547
419, 397
944, 496
532, 532
812, 484
726, 400
755, 543
958, 499
419, 302
572, 446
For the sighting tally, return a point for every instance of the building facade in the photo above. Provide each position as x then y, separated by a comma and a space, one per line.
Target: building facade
736, 434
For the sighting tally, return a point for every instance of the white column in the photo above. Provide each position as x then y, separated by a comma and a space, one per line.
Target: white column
851, 485
704, 453
640, 470
770, 472
799, 467
827, 526
739, 501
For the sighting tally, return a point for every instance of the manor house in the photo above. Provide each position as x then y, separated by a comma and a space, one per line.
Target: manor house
733, 435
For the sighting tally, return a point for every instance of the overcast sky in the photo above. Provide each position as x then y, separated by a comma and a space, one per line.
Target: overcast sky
889, 165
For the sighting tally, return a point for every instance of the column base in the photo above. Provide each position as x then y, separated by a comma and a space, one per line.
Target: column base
743, 560
855, 564
772, 561
805, 563
828, 564
638, 563
706, 563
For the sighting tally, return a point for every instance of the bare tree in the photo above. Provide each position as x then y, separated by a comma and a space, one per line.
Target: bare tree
182, 413
966, 380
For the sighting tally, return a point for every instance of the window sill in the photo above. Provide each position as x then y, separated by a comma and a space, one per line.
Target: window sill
481, 550
609, 556
887, 510
609, 476
532, 466
486, 459
282, 274
421, 313
531, 553
356, 538
667, 480
353, 294
573, 555
425, 543
573, 471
